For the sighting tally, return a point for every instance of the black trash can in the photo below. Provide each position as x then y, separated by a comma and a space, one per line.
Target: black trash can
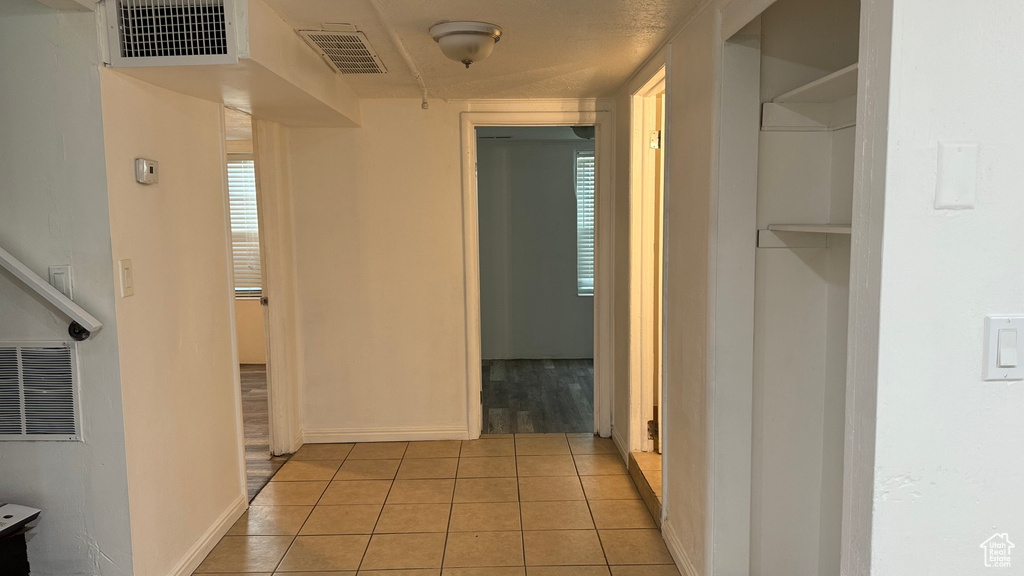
14, 526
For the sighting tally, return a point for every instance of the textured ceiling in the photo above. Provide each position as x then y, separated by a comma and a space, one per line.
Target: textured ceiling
549, 49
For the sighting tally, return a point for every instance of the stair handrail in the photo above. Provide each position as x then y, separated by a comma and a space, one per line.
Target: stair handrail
82, 324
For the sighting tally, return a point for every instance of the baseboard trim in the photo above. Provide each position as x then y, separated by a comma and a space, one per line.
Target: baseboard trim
197, 553
323, 435
675, 547
620, 443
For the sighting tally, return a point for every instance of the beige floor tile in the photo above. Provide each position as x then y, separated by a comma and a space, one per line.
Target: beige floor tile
406, 518
635, 547
556, 516
271, 521
487, 467
609, 488
322, 452
488, 447
550, 489
395, 551
245, 554
356, 492
485, 517
611, 514
434, 449
493, 436
367, 470
480, 549
647, 460
541, 435
644, 571
241, 573
413, 572
492, 571
567, 571
542, 446
295, 470
344, 519
486, 490
290, 494
428, 468
421, 492
546, 466
563, 548
331, 573
600, 464
319, 553
592, 445
378, 451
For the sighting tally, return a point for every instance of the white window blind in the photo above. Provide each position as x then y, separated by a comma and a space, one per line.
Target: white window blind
245, 230
585, 223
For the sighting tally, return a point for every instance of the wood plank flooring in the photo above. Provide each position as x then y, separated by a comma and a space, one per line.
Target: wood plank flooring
538, 396
259, 465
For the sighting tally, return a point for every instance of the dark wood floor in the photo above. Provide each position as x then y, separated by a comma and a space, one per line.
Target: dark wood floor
259, 465
523, 396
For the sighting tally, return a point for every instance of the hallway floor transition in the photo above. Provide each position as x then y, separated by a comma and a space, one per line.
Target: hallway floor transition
503, 505
259, 465
538, 396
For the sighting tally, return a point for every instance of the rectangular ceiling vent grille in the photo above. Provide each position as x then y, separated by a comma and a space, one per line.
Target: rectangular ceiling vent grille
38, 392
171, 32
346, 52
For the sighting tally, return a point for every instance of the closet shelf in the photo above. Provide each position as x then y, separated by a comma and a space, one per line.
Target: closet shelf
816, 228
835, 86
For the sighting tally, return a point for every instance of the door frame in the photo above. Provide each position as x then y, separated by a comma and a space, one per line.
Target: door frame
546, 113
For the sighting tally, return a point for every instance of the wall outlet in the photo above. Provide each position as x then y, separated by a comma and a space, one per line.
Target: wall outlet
957, 178
127, 276
147, 171
60, 278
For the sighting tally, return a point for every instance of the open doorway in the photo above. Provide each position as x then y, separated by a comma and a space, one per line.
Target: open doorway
536, 211
250, 321
647, 260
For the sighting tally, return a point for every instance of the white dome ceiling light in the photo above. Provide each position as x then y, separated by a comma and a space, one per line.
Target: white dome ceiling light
466, 42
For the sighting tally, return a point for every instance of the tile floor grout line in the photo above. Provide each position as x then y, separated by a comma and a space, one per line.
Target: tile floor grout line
381, 512
591, 510
519, 500
451, 510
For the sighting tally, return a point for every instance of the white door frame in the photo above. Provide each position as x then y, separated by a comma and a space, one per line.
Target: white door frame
545, 113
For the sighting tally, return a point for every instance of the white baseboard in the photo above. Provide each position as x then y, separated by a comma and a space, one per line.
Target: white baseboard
621, 444
675, 547
197, 553
322, 435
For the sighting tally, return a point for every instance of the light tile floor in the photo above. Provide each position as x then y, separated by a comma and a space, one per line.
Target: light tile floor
504, 505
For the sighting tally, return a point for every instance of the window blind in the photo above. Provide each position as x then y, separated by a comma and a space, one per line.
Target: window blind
585, 223
245, 230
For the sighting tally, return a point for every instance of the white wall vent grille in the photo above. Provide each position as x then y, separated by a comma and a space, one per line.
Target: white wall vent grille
38, 392
346, 52
171, 32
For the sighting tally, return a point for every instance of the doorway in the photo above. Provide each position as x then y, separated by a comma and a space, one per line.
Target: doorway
250, 317
535, 189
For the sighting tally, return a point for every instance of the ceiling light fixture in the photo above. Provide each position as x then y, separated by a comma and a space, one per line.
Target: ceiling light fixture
466, 42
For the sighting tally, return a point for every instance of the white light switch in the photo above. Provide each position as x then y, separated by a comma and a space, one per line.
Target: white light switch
1004, 347
957, 177
127, 277
60, 278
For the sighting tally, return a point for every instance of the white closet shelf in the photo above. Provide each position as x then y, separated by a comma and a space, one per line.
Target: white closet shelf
835, 86
817, 228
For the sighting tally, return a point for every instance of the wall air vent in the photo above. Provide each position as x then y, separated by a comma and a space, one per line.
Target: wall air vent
38, 392
347, 52
171, 32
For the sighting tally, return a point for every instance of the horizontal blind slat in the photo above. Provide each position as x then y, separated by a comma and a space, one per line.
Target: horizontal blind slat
585, 219
245, 229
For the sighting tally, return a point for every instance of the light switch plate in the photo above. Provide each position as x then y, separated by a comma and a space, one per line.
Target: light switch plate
957, 179
1004, 326
60, 278
127, 276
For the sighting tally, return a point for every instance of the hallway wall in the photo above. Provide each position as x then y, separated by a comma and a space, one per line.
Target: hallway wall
181, 385
528, 287
53, 210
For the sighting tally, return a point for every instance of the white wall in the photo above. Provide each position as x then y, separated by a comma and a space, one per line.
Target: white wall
949, 450
181, 389
53, 210
381, 300
250, 332
527, 217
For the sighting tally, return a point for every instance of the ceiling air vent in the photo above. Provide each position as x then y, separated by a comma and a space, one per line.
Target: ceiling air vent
347, 52
38, 392
171, 32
